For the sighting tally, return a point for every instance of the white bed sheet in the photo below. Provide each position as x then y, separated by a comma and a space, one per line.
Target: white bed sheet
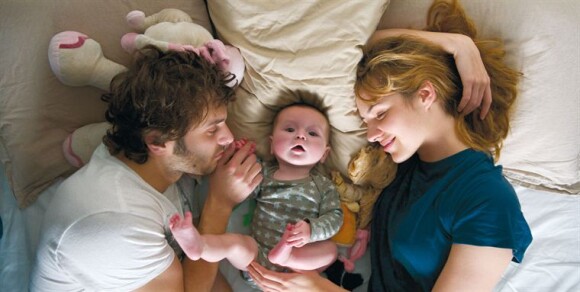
552, 262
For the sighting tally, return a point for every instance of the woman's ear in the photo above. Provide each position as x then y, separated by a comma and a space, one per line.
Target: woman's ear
427, 94
153, 141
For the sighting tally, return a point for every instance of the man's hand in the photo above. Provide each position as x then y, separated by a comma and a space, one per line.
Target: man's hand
237, 174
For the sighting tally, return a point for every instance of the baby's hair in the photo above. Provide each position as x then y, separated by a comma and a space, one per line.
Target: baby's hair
304, 98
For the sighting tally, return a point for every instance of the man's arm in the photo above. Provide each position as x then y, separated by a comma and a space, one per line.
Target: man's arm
200, 275
236, 175
170, 280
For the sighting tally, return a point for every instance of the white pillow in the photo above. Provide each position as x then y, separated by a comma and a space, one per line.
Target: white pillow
298, 45
542, 39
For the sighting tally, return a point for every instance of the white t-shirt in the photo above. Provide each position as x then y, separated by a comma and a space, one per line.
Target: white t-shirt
106, 229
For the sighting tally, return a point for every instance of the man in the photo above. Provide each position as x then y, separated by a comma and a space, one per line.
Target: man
107, 226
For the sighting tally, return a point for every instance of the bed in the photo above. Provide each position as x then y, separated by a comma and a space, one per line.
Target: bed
292, 45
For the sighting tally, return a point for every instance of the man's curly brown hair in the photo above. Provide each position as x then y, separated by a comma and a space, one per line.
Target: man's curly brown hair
168, 92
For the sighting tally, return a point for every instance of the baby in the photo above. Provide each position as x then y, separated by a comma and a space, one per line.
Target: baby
294, 195
297, 210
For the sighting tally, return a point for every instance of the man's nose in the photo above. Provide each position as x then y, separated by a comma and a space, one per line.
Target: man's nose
227, 138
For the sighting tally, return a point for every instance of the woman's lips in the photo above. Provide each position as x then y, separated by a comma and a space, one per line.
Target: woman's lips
387, 144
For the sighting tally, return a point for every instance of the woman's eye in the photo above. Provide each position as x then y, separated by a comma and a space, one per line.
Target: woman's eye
212, 131
381, 115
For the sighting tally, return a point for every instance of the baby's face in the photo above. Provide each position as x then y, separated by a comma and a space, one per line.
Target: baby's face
300, 136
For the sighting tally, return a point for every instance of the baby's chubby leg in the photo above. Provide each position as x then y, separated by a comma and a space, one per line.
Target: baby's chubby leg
239, 249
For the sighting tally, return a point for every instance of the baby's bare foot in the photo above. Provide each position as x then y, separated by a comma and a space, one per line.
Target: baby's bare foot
187, 235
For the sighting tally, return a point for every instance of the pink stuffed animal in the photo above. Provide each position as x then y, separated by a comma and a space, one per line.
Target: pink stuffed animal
78, 60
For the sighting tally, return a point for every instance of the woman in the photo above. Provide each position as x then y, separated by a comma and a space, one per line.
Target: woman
449, 221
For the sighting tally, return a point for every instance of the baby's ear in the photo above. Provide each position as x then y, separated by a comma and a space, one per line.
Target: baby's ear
325, 155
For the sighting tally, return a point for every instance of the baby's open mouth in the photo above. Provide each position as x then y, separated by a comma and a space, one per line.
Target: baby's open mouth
298, 148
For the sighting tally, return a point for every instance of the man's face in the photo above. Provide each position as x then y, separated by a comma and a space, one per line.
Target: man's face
199, 150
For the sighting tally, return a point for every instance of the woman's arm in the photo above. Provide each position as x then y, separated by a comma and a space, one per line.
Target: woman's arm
473, 268
474, 77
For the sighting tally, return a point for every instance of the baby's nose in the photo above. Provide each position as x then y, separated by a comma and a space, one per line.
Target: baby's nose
300, 135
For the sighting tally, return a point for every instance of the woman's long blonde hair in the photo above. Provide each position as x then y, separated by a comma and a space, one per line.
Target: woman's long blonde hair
402, 64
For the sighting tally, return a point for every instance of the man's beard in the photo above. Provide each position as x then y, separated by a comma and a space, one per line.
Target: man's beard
191, 163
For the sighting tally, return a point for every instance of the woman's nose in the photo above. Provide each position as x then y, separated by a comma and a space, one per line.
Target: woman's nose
373, 133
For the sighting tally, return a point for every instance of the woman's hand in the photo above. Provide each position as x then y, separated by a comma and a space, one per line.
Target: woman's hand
306, 281
474, 77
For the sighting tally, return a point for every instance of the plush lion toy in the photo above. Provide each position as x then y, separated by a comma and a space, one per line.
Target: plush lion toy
369, 172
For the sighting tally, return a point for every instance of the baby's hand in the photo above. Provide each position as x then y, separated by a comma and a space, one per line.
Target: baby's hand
243, 141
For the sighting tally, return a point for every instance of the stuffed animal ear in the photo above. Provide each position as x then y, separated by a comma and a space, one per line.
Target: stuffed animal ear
371, 166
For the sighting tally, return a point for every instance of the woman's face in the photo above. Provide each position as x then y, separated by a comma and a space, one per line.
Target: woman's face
394, 123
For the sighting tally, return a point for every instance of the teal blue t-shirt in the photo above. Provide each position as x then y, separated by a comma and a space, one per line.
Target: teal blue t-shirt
462, 199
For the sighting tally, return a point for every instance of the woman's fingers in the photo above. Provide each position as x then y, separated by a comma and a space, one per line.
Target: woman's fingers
265, 279
486, 103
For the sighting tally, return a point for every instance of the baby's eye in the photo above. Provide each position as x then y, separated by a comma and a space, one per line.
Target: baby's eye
312, 133
289, 130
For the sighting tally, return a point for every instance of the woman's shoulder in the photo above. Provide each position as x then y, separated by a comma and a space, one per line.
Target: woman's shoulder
477, 179
486, 187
